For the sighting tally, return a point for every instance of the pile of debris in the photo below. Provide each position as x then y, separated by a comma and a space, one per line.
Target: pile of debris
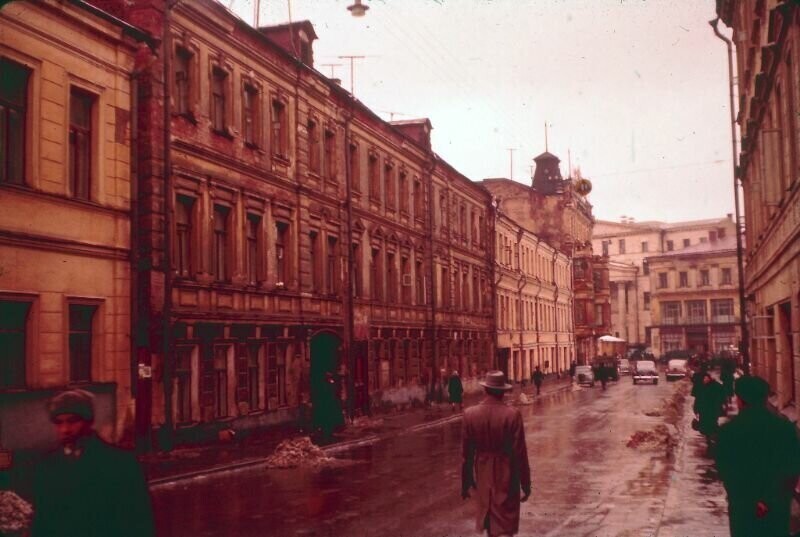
295, 452
656, 438
15, 514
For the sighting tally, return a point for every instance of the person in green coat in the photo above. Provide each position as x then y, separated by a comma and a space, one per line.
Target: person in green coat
87, 487
758, 459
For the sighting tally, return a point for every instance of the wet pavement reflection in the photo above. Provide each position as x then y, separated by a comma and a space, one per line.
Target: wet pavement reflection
586, 481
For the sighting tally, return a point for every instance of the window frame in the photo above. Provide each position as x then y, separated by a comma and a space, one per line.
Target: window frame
25, 342
23, 110
82, 182
91, 346
221, 243
251, 115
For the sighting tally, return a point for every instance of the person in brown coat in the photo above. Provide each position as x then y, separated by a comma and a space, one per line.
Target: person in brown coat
495, 459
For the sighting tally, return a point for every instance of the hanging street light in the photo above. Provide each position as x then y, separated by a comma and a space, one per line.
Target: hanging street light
358, 9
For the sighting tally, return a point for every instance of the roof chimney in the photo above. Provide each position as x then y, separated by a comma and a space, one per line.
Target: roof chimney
418, 130
296, 38
730, 216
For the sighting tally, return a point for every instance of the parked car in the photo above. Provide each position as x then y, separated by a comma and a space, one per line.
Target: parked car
584, 375
677, 369
624, 366
645, 371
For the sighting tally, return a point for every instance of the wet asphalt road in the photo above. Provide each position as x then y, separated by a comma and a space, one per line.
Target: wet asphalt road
586, 482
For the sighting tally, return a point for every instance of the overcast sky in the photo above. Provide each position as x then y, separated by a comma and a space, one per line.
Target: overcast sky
637, 91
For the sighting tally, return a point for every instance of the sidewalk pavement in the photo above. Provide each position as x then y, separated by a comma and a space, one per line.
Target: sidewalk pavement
188, 462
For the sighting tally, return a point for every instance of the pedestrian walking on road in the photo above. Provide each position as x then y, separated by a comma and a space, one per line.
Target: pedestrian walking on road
602, 375
758, 459
455, 391
538, 377
495, 459
572, 367
86, 487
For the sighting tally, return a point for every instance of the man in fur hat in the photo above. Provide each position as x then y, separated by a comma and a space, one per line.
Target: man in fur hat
495, 459
87, 487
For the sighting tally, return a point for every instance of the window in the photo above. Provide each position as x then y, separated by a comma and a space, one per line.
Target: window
184, 211
253, 253
598, 315
704, 277
697, 311
462, 222
374, 178
330, 155
726, 276
391, 278
316, 259
418, 200
670, 312
687, 243
646, 300
355, 168
219, 252
645, 267
721, 233
644, 247
80, 143
444, 283
683, 279
183, 59
314, 164
13, 113
280, 129
442, 211
597, 278
276, 376
388, 176
254, 376
480, 231
457, 290
476, 294
333, 265
712, 235
402, 183
80, 342
420, 282
357, 270
13, 336
703, 240
251, 115
376, 277
670, 246
220, 380
622, 246
281, 252
605, 245
219, 80
722, 311
662, 280
405, 283
465, 305
183, 384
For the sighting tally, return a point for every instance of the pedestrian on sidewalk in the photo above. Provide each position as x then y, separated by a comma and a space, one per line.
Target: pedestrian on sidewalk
495, 459
86, 486
572, 368
455, 391
708, 405
538, 377
758, 459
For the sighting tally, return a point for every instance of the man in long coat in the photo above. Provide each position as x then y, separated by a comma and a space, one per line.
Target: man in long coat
86, 487
495, 459
758, 459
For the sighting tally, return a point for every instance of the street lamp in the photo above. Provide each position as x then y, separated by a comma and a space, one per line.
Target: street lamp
358, 9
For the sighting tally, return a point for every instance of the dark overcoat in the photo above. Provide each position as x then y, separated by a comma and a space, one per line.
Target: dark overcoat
495, 460
758, 459
455, 389
100, 493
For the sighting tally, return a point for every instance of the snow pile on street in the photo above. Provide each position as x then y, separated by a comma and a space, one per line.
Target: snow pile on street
15, 513
367, 422
653, 439
295, 452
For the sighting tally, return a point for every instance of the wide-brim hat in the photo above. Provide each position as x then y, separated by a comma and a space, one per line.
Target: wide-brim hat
496, 380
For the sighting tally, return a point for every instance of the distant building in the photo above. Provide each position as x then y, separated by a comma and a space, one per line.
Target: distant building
766, 35
533, 302
66, 79
552, 210
694, 303
628, 246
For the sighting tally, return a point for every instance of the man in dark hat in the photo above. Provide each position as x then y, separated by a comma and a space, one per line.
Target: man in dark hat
495, 459
758, 459
87, 487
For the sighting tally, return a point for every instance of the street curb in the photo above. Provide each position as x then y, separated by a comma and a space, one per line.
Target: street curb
333, 448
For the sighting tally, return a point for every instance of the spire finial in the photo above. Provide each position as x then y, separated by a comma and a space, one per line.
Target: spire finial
545, 136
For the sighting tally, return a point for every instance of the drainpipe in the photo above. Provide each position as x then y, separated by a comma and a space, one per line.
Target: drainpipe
349, 328
521, 281
429, 169
745, 346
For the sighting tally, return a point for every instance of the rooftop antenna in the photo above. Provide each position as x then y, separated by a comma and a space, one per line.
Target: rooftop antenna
511, 161
545, 136
352, 59
569, 163
332, 66
257, 18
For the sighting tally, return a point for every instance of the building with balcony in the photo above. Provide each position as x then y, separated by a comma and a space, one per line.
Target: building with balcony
766, 35
66, 187
533, 288
694, 299
628, 246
